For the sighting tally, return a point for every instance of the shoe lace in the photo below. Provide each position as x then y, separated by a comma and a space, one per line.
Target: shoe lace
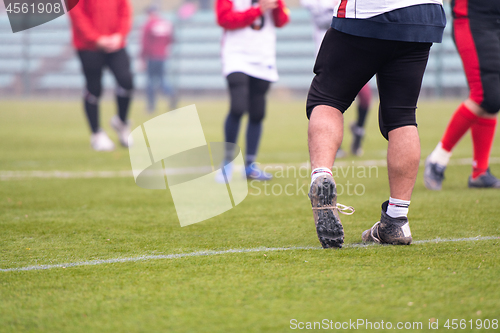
342, 209
376, 239
346, 210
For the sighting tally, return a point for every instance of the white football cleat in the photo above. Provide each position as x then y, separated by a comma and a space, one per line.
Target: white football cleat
123, 131
101, 142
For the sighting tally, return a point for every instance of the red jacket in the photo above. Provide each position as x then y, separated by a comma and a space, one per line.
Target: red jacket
92, 19
157, 37
231, 20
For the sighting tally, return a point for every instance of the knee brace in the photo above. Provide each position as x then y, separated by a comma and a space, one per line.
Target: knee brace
123, 92
91, 98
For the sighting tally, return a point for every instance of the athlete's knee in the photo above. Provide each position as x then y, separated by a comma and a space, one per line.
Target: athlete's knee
257, 108
126, 82
234, 115
123, 92
125, 86
92, 97
256, 117
491, 104
238, 107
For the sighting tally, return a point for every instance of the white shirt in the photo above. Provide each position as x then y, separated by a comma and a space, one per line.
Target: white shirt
363, 9
250, 51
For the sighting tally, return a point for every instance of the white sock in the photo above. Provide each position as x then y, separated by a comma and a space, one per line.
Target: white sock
440, 156
398, 208
318, 172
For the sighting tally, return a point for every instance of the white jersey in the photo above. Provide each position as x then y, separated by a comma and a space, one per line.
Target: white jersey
248, 50
363, 9
322, 13
421, 21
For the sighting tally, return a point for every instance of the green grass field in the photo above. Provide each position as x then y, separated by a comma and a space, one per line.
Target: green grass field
46, 219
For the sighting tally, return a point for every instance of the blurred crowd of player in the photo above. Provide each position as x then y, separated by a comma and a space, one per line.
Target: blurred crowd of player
99, 35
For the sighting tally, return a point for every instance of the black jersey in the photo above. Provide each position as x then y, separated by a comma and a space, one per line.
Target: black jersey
476, 9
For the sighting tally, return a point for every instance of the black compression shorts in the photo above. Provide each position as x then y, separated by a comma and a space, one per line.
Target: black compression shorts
345, 63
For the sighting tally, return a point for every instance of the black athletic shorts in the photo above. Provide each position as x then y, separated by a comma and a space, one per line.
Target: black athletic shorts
345, 63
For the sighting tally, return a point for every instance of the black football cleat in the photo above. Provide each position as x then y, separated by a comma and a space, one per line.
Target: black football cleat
486, 180
323, 196
389, 230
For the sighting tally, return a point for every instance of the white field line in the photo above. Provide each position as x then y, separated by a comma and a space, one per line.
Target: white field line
6, 175
213, 253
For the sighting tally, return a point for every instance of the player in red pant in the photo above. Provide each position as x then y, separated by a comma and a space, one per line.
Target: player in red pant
476, 29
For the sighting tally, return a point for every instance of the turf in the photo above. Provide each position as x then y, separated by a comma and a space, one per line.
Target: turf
56, 220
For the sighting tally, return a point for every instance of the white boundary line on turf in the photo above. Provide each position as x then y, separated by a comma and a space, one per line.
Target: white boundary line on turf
6, 175
213, 253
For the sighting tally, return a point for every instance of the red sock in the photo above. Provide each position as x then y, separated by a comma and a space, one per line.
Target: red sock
459, 124
483, 133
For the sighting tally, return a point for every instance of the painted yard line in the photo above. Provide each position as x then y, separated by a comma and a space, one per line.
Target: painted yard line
9, 175
213, 253
13, 175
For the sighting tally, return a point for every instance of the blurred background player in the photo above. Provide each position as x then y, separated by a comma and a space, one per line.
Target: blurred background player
100, 29
476, 30
249, 65
322, 13
157, 38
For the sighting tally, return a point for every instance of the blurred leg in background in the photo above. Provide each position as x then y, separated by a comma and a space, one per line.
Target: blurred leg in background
93, 63
166, 87
119, 64
478, 44
247, 94
153, 69
358, 127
